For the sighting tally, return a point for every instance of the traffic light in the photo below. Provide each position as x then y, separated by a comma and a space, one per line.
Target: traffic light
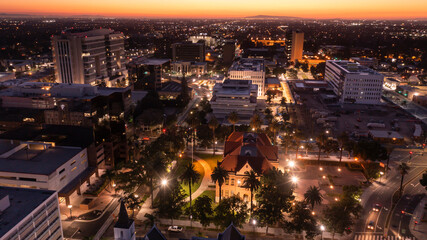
410, 155
164, 130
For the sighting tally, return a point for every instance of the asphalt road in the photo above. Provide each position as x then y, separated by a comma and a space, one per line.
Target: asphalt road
85, 229
382, 192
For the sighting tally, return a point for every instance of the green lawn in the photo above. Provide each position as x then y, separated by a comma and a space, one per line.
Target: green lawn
198, 168
209, 193
211, 160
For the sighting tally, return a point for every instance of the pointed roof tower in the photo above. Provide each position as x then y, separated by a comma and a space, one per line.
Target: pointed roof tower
123, 221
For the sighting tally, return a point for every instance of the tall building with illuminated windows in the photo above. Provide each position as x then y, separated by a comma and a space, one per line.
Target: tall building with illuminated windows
354, 83
90, 57
252, 69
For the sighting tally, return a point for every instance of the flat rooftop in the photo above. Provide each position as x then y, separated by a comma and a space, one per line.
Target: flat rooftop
351, 67
23, 201
149, 61
248, 64
34, 161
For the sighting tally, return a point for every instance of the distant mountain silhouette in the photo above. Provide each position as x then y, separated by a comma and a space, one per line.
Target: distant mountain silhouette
272, 17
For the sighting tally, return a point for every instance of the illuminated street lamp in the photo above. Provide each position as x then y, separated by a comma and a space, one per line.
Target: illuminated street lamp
291, 164
164, 182
71, 212
322, 229
294, 179
327, 132
381, 175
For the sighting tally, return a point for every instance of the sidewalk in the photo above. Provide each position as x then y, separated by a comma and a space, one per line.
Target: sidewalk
420, 231
205, 181
146, 207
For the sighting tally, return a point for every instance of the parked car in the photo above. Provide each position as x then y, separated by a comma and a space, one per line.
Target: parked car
174, 229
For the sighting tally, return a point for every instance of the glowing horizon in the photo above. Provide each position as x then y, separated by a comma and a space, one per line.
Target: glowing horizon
360, 9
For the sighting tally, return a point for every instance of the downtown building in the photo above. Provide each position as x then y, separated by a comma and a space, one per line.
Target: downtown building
294, 45
90, 57
252, 69
188, 51
354, 83
232, 95
29, 214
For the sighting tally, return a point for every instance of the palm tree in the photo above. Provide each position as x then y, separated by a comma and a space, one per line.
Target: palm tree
313, 196
256, 122
343, 138
389, 151
253, 183
274, 127
233, 118
403, 169
321, 142
154, 167
213, 124
189, 176
219, 174
308, 147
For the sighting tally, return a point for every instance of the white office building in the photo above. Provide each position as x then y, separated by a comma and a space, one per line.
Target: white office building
252, 69
41, 165
29, 214
354, 83
232, 95
90, 57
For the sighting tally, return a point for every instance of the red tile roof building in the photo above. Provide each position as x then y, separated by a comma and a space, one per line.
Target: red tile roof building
244, 152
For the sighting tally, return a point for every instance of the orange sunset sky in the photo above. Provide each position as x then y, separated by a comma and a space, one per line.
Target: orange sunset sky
363, 9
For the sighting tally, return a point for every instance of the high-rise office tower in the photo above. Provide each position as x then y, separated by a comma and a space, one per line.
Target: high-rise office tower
188, 51
89, 57
294, 45
228, 51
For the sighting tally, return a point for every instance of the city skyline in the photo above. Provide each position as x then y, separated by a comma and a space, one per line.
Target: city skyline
363, 9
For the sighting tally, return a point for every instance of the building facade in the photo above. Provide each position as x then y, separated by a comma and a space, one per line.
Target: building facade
238, 96
354, 83
252, 69
188, 51
89, 57
29, 214
243, 152
297, 46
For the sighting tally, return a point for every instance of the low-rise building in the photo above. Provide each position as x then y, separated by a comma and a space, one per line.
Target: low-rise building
29, 214
238, 96
243, 152
187, 67
5, 76
171, 90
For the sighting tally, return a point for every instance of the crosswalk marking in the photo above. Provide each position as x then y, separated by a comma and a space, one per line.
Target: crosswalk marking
372, 236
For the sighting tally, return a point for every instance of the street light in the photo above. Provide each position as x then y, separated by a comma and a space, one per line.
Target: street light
254, 223
291, 164
294, 179
327, 132
322, 229
381, 175
71, 213
164, 182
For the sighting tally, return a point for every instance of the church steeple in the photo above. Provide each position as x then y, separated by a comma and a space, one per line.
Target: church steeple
124, 229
